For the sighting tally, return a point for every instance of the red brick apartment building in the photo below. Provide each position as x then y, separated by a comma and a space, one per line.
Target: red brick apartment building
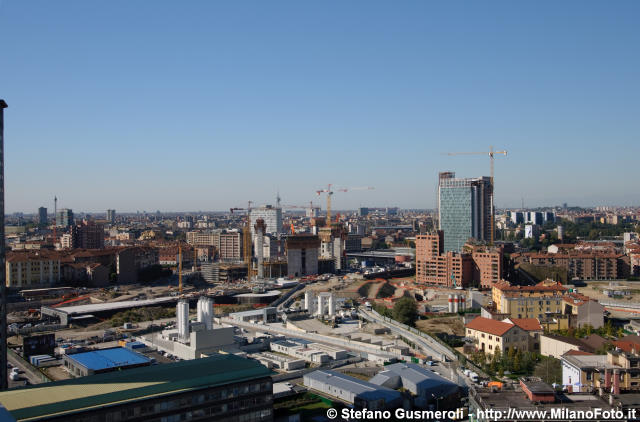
477, 265
581, 265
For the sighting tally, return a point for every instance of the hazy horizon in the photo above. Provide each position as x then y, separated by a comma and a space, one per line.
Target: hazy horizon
206, 105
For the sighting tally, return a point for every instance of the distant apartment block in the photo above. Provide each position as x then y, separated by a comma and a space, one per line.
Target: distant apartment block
129, 262
302, 255
42, 217
582, 265
434, 266
64, 218
272, 217
111, 216
464, 209
203, 238
230, 246
487, 265
88, 235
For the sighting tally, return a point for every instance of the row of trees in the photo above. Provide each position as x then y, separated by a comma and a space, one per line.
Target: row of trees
607, 331
514, 361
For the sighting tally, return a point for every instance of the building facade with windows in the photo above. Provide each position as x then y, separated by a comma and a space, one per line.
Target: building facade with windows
464, 209
490, 335
224, 388
32, 269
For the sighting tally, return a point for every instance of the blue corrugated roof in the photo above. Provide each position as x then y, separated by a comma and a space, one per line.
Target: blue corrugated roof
109, 358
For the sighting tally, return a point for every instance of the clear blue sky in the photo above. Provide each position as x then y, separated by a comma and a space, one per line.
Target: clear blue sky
203, 105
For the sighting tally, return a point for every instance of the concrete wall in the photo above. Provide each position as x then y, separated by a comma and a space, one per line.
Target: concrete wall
555, 348
591, 313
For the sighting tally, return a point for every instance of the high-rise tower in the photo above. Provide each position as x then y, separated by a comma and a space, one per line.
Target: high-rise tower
464, 209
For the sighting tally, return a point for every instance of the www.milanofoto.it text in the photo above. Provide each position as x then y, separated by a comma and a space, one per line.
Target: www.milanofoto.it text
559, 414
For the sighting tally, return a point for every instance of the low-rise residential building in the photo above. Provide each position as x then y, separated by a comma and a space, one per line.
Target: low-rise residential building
616, 372
532, 327
586, 310
556, 346
528, 301
582, 265
490, 335
32, 269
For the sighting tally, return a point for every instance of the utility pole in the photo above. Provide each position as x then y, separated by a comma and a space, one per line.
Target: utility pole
3, 281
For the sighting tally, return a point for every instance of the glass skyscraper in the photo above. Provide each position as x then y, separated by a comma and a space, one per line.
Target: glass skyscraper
464, 209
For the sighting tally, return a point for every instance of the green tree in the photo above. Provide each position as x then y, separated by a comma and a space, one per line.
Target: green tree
608, 329
405, 311
549, 369
517, 361
496, 361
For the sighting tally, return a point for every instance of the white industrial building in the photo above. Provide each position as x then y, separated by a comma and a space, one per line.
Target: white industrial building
422, 383
320, 305
272, 360
361, 394
263, 315
193, 339
299, 350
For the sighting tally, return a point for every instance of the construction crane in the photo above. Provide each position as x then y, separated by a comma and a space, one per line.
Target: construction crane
330, 193
246, 238
491, 153
180, 269
309, 207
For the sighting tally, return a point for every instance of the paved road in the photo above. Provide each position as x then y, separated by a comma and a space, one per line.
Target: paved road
25, 371
427, 344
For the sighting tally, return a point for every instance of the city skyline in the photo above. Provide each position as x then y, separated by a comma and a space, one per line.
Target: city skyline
205, 106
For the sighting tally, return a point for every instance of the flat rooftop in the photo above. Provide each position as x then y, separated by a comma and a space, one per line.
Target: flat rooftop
71, 396
110, 306
116, 357
265, 294
353, 385
517, 399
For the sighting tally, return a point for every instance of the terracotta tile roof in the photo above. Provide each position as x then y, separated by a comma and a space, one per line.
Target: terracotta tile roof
576, 299
543, 286
490, 326
626, 346
527, 324
628, 343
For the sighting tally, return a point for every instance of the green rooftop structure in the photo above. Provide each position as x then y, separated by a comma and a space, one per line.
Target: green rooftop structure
221, 387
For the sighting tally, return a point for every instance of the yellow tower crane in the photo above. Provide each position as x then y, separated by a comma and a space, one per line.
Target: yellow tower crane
491, 153
330, 193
